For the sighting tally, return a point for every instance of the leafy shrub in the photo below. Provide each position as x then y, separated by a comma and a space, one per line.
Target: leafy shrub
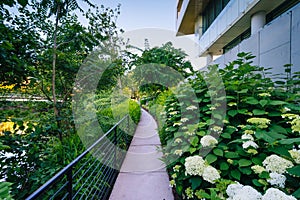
240, 136
29, 159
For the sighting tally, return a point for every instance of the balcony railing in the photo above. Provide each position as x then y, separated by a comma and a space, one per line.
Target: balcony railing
92, 174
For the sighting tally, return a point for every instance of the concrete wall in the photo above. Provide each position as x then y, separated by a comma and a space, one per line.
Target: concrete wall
277, 44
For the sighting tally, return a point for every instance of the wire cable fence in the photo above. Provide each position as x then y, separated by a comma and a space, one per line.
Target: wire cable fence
93, 173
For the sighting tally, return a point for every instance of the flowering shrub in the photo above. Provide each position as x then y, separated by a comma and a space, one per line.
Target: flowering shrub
252, 138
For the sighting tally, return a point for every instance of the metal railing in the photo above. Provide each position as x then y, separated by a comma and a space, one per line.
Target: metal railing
92, 174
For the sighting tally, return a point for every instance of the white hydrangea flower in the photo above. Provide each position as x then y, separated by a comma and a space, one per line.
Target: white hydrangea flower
210, 174
285, 109
177, 124
258, 169
194, 165
190, 133
171, 109
191, 108
173, 112
178, 140
247, 137
243, 193
273, 193
217, 129
208, 141
178, 152
233, 189
184, 119
295, 154
250, 192
274, 163
250, 143
277, 180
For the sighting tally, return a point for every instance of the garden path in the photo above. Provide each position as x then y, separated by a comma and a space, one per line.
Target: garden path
143, 175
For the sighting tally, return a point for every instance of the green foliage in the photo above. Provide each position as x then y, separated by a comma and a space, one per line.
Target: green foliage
257, 107
5, 190
31, 153
158, 69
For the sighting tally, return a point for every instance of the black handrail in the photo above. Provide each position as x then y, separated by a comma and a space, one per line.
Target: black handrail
70, 167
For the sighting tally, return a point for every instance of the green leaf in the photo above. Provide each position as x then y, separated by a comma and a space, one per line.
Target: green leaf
195, 181
218, 152
263, 135
236, 174
224, 166
232, 113
231, 155
226, 135
210, 158
192, 150
294, 170
244, 163
243, 91
277, 103
257, 161
278, 129
243, 111
263, 102
245, 170
280, 150
258, 112
289, 141
194, 141
274, 114
297, 193
264, 175
256, 183
5, 190
251, 100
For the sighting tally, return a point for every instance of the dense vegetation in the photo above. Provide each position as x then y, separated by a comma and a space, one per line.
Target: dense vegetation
43, 45
239, 136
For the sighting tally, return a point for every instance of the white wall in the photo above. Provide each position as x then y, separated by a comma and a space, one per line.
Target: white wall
277, 44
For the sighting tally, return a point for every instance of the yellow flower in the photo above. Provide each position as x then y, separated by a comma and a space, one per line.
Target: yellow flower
174, 176
250, 132
172, 183
176, 168
290, 116
178, 140
231, 104
260, 122
296, 125
178, 152
266, 94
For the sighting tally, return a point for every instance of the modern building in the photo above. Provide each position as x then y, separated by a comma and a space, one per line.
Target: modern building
269, 29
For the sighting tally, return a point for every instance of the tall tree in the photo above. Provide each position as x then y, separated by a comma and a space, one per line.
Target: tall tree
58, 8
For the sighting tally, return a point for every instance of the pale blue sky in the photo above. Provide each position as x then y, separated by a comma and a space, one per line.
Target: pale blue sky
137, 14
154, 20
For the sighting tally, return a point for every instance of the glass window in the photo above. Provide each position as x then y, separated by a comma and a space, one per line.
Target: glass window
211, 12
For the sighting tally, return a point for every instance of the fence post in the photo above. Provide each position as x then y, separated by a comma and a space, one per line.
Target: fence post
70, 183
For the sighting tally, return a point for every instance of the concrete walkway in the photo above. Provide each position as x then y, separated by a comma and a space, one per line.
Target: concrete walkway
143, 176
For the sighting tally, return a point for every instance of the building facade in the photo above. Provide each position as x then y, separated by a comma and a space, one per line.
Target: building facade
269, 29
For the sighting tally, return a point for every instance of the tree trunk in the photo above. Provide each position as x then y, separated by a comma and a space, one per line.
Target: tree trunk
54, 57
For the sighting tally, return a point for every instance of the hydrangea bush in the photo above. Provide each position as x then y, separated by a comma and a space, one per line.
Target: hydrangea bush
249, 148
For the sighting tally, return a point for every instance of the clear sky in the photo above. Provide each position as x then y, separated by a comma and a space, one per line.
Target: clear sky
154, 20
137, 14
